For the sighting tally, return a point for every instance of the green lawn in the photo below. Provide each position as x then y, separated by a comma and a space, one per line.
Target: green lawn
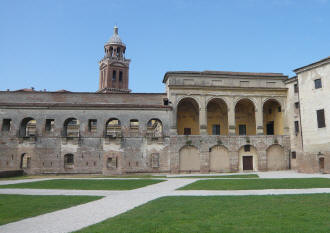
224, 176
16, 207
246, 184
142, 176
271, 214
85, 184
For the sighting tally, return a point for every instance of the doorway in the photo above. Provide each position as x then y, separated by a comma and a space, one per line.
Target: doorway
270, 128
248, 163
321, 164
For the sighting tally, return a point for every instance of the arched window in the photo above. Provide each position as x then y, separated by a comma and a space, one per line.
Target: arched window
25, 161
154, 128
28, 127
113, 128
68, 161
134, 124
71, 127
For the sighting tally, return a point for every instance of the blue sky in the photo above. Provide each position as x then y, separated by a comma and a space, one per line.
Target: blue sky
56, 44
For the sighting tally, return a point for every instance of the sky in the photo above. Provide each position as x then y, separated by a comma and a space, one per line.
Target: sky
57, 44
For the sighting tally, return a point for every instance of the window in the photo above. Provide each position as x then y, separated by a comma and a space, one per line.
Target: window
320, 118
242, 129
296, 127
187, 131
215, 129
296, 88
114, 75
296, 104
112, 162
6, 123
92, 125
247, 148
244, 83
293, 155
318, 83
68, 161
279, 109
134, 124
120, 76
49, 127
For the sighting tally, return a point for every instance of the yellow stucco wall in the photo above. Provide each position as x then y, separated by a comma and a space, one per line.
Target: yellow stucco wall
275, 115
245, 115
217, 114
188, 117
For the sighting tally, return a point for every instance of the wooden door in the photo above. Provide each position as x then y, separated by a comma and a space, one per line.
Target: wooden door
247, 162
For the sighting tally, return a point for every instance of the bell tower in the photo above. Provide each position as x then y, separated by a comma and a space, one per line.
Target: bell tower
114, 66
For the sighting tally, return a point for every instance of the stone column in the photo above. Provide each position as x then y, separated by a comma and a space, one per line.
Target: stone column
202, 121
259, 118
173, 122
231, 120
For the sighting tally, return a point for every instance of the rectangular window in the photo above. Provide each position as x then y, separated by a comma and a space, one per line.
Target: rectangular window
296, 127
114, 74
270, 84
6, 125
320, 118
120, 76
92, 125
134, 124
242, 129
296, 104
187, 131
244, 83
296, 88
293, 155
216, 129
49, 127
279, 109
318, 83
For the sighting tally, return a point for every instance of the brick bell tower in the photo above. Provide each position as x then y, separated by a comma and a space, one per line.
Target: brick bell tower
114, 66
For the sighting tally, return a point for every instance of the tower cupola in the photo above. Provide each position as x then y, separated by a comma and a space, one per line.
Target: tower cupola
114, 66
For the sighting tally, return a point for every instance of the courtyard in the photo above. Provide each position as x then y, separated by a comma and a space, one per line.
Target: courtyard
283, 201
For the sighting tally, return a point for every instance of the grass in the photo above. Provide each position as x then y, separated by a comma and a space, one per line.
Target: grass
271, 214
250, 184
224, 176
142, 176
85, 184
17, 207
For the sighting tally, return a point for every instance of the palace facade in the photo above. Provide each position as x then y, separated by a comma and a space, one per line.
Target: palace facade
210, 121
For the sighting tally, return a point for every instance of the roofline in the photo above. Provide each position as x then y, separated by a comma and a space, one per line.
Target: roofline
225, 73
312, 65
292, 79
85, 105
69, 92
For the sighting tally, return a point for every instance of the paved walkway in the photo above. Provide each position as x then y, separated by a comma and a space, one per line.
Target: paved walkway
75, 218
117, 202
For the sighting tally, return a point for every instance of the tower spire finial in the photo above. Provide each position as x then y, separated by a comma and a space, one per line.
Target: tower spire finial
115, 29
